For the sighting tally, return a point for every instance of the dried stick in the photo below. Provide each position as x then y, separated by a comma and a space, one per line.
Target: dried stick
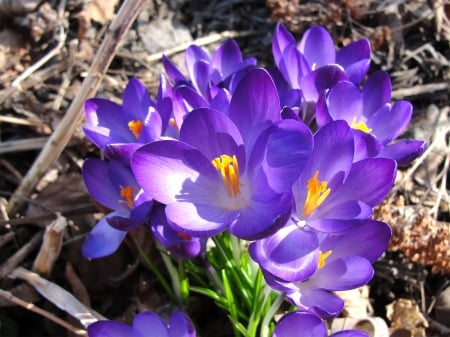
20, 255
30, 306
62, 134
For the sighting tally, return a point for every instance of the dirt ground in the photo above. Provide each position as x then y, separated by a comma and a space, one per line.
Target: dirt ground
46, 50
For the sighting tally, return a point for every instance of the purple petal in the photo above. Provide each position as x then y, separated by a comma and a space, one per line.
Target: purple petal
333, 226
255, 103
369, 181
368, 240
181, 325
121, 152
342, 274
192, 56
262, 218
213, 134
355, 58
288, 148
172, 72
136, 100
320, 80
321, 302
175, 167
366, 145
109, 328
290, 254
281, 39
175, 242
200, 78
318, 47
103, 240
200, 220
147, 321
376, 92
300, 324
404, 151
389, 122
293, 65
100, 180
344, 101
350, 333
227, 58
106, 123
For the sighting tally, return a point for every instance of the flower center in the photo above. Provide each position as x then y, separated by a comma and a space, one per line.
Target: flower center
322, 258
362, 126
317, 193
184, 236
127, 195
135, 127
229, 170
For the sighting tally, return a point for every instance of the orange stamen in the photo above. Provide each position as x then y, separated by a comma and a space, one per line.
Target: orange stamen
317, 193
229, 170
127, 194
136, 127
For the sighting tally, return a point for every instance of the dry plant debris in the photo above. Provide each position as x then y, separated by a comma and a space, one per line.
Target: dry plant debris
47, 48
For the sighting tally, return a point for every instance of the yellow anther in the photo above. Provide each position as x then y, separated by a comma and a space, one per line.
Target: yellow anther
173, 123
362, 126
229, 170
136, 127
127, 195
322, 258
317, 193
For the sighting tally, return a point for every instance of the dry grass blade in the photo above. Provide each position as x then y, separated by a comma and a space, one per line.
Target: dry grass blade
51, 246
30, 306
58, 296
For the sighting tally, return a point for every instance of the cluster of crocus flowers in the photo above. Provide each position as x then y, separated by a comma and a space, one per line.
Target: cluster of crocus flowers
293, 159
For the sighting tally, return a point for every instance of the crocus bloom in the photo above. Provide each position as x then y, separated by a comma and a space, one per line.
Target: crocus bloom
228, 171
342, 262
316, 49
332, 195
211, 79
377, 122
137, 121
178, 244
145, 324
112, 184
306, 324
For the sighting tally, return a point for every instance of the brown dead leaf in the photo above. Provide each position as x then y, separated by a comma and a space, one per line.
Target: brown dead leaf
101, 11
405, 314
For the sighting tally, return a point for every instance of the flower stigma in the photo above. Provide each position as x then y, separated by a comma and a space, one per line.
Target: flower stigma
184, 236
317, 193
135, 127
229, 170
127, 195
322, 258
362, 126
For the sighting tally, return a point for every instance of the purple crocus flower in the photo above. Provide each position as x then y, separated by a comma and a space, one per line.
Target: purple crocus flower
306, 324
316, 49
178, 244
313, 66
377, 122
228, 171
112, 184
137, 121
211, 79
144, 324
332, 195
342, 262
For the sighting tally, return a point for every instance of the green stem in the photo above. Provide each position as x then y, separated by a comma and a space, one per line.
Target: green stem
155, 271
265, 330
